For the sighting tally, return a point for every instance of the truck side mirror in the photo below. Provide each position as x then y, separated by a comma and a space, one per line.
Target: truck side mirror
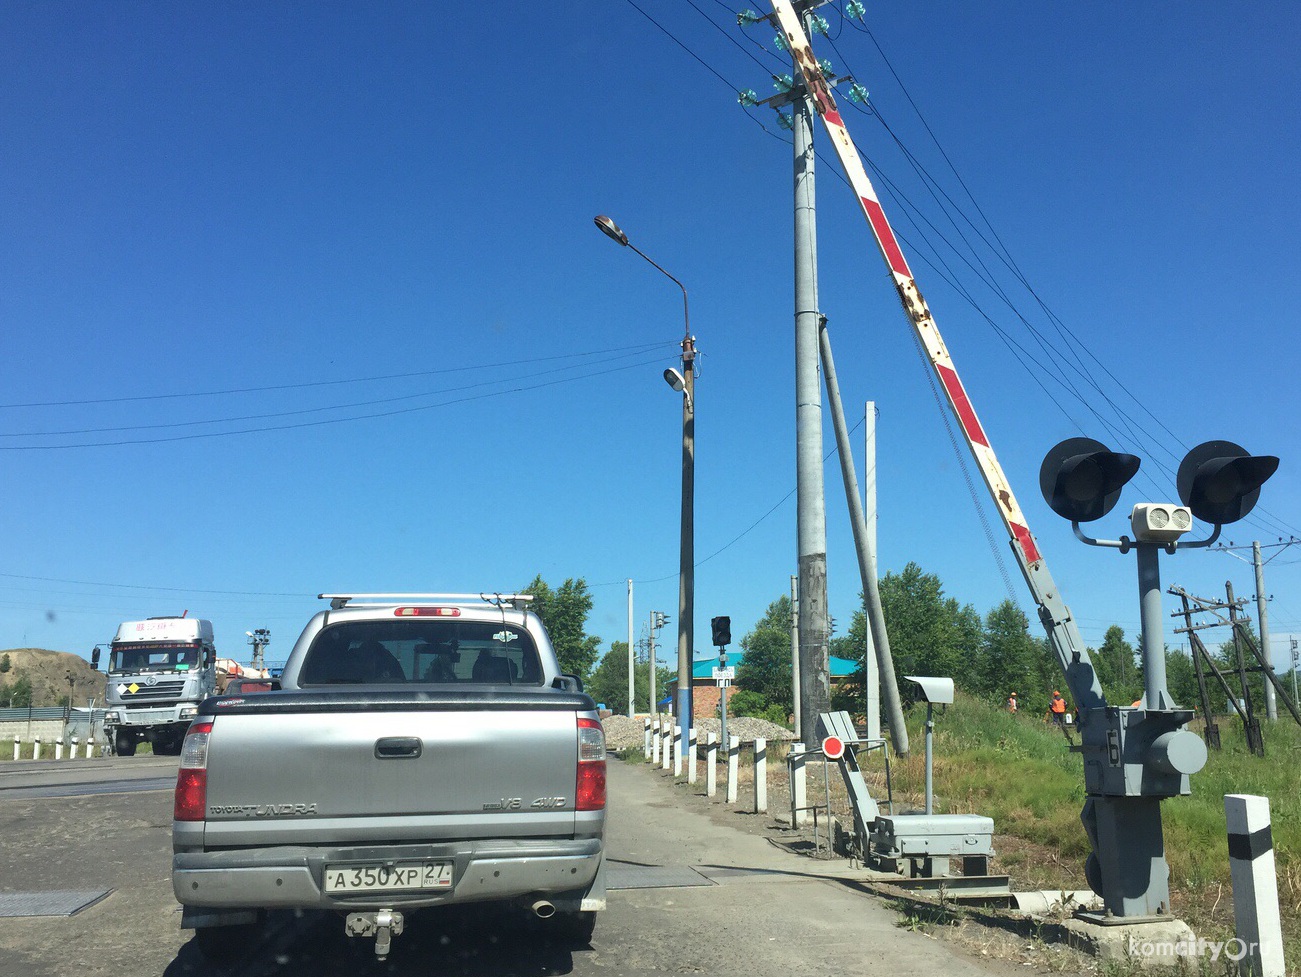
208, 658
94, 659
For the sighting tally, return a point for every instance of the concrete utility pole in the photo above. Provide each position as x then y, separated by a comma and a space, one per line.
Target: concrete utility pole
1262, 614
815, 679
632, 705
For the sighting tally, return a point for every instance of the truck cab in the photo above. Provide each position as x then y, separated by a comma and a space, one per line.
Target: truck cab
159, 670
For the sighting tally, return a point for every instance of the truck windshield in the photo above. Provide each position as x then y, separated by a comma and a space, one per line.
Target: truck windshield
422, 652
153, 657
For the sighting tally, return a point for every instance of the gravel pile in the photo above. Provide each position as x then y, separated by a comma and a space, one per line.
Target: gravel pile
622, 733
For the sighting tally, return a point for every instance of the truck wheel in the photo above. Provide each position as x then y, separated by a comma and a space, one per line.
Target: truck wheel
126, 745
573, 928
168, 747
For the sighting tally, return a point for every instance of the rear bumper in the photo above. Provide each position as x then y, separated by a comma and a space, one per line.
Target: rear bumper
564, 871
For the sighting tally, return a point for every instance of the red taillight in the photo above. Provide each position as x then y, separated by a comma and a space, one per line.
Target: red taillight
191, 800
589, 792
191, 795
427, 612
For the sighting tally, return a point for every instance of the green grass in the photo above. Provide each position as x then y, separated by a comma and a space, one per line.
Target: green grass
1018, 771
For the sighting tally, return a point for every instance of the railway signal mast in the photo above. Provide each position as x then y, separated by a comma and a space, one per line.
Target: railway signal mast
1132, 757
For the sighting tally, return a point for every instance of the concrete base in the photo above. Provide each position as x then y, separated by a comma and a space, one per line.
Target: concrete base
1161, 943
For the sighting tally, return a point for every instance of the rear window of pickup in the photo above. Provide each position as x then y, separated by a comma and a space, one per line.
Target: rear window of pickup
421, 653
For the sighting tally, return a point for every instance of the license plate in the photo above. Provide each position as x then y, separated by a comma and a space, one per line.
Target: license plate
404, 876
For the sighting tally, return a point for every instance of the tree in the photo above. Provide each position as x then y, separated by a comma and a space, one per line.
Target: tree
4, 663
766, 667
1007, 661
1117, 673
929, 633
20, 693
564, 613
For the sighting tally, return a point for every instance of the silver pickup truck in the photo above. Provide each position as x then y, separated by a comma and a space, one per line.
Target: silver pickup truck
421, 750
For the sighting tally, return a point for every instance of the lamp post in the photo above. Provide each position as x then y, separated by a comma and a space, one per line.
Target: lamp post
683, 381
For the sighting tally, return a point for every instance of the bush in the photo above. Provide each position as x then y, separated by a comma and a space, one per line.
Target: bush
754, 706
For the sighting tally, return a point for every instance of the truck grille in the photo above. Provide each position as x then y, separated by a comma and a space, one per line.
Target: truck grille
164, 690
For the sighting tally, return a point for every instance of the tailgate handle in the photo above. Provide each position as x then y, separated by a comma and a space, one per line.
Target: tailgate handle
397, 747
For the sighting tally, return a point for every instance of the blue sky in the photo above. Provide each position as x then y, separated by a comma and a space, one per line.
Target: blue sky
234, 217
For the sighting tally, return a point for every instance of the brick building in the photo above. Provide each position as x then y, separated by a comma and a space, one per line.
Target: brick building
705, 694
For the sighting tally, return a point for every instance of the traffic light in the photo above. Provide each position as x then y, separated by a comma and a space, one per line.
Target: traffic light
1081, 479
722, 628
1221, 482
661, 619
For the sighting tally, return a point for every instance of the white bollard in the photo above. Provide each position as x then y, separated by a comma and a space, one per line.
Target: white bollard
90, 742
36, 748
677, 751
646, 746
72, 752
16, 746
58, 748
711, 764
760, 775
733, 768
666, 748
1255, 885
799, 786
656, 741
691, 755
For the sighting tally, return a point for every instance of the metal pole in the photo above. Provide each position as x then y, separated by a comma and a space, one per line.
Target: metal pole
722, 699
930, 757
654, 707
632, 706
795, 649
871, 669
1295, 657
1262, 614
1155, 693
866, 557
686, 570
815, 682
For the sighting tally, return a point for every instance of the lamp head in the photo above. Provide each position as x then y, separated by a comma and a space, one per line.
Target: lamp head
675, 380
610, 229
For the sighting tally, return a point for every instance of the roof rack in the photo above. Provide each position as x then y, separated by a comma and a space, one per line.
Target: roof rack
497, 600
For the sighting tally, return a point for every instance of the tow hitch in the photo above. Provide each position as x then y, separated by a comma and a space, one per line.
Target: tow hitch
383, 925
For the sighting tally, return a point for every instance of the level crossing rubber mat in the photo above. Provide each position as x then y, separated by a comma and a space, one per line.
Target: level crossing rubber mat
651, 877
58, 903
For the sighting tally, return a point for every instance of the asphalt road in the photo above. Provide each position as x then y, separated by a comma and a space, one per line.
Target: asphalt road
755, 910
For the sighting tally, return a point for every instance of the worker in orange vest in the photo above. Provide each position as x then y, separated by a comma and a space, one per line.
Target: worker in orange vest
1057, 709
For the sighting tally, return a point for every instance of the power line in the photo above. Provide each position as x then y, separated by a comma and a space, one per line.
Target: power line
327, 383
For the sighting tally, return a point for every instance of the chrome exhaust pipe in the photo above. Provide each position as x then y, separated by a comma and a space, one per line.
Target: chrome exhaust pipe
543, 909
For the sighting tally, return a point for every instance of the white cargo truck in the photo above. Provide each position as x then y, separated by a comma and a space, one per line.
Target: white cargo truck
159, 670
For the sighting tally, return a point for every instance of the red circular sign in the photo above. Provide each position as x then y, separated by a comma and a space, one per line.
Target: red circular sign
833, 747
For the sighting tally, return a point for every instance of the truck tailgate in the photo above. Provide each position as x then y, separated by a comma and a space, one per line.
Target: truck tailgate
308, 769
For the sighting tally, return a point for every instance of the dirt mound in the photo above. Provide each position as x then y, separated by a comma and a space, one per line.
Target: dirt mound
48, 671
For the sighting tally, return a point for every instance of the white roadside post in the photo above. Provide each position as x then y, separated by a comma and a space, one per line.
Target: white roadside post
733, 768
666, 747
678, 733
17, 744
1255, 885
655, 740
691, 755
711, 764
760, 775
646, 745
58, 748
90, 743
799, 791
72, 752
36, 748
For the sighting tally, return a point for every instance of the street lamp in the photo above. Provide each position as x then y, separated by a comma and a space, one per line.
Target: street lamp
684, 382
